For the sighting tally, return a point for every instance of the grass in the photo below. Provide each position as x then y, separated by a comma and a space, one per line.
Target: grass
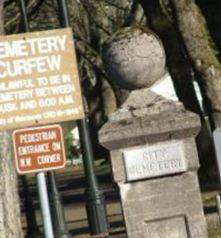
209, 200
215, 233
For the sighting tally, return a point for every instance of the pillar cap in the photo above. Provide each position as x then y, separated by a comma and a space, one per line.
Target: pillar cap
134, 58
146, 117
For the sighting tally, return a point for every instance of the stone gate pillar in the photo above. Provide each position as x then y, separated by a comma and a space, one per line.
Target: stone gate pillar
154, 162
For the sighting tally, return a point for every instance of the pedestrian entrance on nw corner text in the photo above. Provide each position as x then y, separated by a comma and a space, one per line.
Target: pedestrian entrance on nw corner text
39, 149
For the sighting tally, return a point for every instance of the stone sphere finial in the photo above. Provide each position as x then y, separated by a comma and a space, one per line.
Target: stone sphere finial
134, 58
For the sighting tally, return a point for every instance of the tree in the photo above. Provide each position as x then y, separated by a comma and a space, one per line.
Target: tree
162, 19
201, 50
178, 64
10, 223
180, 25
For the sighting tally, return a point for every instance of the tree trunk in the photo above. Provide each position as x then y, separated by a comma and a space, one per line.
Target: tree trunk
10, 223
201, 50
1, 19
178, 64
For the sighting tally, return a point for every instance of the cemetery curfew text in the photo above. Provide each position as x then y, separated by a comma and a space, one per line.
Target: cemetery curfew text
39, 149
39, 80
154, 161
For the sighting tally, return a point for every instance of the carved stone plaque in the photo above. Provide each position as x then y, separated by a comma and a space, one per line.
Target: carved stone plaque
153, 161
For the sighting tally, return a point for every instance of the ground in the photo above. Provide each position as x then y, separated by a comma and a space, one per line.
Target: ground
71, 183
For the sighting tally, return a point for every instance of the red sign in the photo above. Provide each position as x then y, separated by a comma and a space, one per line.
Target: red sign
39, 149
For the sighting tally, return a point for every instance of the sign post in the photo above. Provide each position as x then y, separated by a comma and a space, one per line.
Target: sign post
40, 149
30, 212
45, 208
57, 211
96, 210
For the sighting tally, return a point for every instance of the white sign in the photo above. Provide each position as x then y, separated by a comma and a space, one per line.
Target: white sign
153, 161
39, 81
217, 145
